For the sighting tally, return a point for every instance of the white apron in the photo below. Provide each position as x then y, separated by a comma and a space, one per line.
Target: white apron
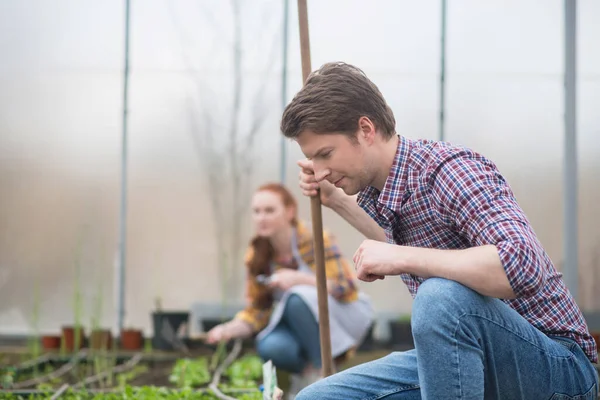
348, 322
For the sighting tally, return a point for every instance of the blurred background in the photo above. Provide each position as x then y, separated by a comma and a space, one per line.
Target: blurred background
207, 83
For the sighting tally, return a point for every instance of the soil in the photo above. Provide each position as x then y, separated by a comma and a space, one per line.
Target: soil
11, 359
157, 375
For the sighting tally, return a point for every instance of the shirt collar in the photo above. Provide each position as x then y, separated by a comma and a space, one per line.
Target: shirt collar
396, 182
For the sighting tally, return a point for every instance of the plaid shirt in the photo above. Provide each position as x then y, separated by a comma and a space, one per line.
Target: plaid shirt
337, 269
448, 197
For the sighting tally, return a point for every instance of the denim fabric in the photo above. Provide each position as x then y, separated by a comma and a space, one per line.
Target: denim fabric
467, 346
295, 340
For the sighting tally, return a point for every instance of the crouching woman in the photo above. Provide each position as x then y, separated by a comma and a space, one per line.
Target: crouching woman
281, 293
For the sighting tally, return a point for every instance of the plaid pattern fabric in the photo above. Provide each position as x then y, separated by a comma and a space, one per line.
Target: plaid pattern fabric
339, 272
449, 197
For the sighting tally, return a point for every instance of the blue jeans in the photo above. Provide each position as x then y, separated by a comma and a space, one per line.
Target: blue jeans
467, 346
295, 341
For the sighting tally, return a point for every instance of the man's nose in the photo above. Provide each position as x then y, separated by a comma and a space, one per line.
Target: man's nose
321, 173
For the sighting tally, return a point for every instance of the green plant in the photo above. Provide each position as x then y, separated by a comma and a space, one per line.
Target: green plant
97, 309
111, 362
218, 355
404, 318
45, 387
101, 360
129, 392
125, 377
7, 378
34, 345
77, 305
148, 345
190, 373
63, 347
251, 396
245, 372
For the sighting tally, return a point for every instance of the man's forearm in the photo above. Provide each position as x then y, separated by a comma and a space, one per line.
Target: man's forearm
478, 268
348, 209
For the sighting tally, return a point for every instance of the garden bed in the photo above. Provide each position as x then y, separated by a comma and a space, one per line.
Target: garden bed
224, 373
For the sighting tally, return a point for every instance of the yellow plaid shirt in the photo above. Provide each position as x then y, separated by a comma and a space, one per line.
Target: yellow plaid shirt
338, 271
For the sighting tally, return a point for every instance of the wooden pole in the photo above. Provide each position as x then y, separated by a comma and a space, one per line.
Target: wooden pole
317, 218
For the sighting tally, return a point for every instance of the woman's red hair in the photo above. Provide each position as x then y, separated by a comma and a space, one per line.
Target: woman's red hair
264, 252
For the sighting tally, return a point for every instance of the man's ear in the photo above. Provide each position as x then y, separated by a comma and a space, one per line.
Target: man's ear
366, 129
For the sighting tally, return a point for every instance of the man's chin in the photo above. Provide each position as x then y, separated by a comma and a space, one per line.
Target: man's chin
350, 191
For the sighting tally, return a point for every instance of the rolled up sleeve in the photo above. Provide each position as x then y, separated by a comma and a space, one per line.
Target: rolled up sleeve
473, 198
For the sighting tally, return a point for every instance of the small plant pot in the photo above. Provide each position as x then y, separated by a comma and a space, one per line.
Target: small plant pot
101, 339
175, 319
131, 339
69, 339
368, 342
209, 323
51, 342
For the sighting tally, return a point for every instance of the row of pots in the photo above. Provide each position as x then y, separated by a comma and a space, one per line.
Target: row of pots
130, 339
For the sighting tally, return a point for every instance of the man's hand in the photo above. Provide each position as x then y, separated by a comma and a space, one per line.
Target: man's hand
309, 184
338, 201
286, 278
374, 260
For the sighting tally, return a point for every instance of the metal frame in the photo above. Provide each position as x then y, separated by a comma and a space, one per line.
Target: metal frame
570, 191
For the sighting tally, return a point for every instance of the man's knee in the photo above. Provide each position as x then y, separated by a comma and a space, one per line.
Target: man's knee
437, 300
316, 390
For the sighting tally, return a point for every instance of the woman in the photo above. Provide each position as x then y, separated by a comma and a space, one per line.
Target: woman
281, 293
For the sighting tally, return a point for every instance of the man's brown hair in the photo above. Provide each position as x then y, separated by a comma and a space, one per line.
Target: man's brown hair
333, 99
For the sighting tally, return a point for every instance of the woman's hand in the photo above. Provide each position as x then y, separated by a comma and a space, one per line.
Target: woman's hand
230, 330
218, 334
286, 278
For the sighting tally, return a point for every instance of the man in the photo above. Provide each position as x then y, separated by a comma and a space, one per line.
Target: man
491, 316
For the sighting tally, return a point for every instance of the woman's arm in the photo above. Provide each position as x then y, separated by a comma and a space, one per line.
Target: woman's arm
251, 319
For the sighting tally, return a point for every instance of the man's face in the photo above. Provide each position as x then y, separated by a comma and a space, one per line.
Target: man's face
342, 160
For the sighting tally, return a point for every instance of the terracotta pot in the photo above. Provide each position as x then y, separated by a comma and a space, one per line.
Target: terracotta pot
51, 342
101, 339
131, 339
69, 338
